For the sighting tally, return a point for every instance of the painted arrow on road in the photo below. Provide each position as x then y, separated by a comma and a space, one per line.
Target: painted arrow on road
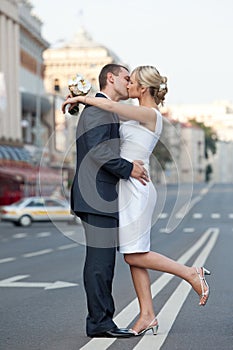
11, 282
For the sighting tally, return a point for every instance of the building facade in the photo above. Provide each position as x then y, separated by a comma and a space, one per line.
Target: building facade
10, 104
35, 103
185, 144
23, 105
218, 116
223, 162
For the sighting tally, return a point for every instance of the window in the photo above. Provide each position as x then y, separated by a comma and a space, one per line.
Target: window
35, 203
52, 203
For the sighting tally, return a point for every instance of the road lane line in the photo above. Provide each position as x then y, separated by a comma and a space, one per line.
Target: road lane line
164, 230
43, 234
197, 215
14, 278
172, 307
20, 235
69, 233
204, 191
163, 216
2, 261
126, 316
186, 209
215, 216
189, 229
39, 252
68, 246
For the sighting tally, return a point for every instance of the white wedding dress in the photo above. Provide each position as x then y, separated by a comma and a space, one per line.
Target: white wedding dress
136, 201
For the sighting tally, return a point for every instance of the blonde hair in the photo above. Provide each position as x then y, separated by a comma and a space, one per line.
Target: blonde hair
149, 76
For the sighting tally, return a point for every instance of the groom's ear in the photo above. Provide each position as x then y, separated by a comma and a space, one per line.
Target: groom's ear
110, 77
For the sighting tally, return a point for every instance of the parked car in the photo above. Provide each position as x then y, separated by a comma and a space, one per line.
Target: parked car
30, 209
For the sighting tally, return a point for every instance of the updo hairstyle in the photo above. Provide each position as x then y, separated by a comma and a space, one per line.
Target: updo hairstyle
148, 76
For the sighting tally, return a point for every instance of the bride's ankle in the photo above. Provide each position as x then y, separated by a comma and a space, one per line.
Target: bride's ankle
192, 275
148, 317
144, 322
141, 324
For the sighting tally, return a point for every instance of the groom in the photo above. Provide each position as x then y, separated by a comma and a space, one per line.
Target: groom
94, 199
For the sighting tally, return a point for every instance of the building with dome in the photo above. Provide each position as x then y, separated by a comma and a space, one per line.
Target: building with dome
82, 55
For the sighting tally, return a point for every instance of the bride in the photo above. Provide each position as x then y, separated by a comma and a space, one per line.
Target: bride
139, 136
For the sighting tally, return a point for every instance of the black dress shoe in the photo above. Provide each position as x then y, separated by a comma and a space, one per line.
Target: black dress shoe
114, 333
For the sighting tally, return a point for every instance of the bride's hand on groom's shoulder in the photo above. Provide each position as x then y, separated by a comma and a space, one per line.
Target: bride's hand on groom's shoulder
139, 172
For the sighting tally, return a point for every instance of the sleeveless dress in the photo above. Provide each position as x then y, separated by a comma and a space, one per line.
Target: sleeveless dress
136, 201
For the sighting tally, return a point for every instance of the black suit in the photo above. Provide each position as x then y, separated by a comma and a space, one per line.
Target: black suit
94, 198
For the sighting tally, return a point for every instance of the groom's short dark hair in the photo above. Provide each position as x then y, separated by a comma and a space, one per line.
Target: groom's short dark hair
112, 68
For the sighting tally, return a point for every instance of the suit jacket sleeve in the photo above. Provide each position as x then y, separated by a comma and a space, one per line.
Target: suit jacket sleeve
102, 146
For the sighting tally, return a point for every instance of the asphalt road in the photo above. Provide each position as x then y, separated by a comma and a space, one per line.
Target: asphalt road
42, 298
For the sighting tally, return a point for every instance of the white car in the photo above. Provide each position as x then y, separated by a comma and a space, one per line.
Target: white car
27, 210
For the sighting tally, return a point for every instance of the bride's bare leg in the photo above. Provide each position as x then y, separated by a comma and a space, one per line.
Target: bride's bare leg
141, 281
158, 262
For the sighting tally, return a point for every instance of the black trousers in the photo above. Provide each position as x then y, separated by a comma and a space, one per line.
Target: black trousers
101, 243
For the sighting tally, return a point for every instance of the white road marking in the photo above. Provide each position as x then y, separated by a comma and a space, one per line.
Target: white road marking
39, 252
215, 215
126, 316
204, 191
163, 216
189, 229
67, 246
69, 233
185, 209
43, 234
7, 260
197, 215
19, 235
231, 216
11, 282
164, 230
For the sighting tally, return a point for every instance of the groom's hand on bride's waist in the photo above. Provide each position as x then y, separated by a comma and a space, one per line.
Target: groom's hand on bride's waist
139, 172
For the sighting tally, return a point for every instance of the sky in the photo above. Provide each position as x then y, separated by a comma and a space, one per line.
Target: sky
188, 41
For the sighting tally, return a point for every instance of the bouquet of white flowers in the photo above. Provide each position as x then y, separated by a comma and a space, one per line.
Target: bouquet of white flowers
78, 86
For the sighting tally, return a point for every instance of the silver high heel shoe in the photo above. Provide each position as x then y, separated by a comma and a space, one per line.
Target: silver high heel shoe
205, 294
152, 326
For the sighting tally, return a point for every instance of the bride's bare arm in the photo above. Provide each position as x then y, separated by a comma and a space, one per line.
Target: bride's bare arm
129, 112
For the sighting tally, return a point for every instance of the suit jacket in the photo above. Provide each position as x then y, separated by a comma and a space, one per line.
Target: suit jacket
98, 164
